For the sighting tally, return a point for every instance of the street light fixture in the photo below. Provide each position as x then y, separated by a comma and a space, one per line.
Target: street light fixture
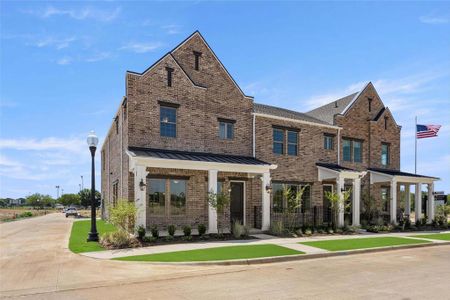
92, 141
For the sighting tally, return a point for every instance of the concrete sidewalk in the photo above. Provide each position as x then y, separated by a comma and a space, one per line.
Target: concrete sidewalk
292, 243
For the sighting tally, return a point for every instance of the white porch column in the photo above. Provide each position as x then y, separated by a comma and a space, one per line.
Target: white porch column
340, 187
265, 202
140, 195
356, 202
393, 201
212, 213
430, 208
418, 201
408, 199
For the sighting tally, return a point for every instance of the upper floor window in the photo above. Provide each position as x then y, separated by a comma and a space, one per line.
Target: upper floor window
292, 142
197, 60
328, 142
169, 76
168, 121
385, 154
278, 141
226, 129
352, 150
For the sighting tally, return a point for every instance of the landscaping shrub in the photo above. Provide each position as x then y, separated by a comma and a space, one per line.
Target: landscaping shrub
117, 240
123, 215
141, 232
201, 229
308, 232
155, 232
238, 229
171, 229
277, 228
187, 230
149, 239
423, 221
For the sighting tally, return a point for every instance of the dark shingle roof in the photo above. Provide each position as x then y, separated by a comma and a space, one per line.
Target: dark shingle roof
195, 156
334, 167
398, 173
326, 112
284, 113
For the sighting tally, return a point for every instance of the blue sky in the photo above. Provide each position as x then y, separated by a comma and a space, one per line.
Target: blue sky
63, 66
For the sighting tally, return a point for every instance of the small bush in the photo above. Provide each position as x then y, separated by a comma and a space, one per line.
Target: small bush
123, 215
277, 228
238, 229
201, 229
330, 230
171, 229
149, 239
308, 232
423, 221
26, 214
187, 230
169, 238
141, 232
155, 232
187, 238
117, 240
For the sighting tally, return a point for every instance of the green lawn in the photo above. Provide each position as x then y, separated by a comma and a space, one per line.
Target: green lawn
219, 253
362, 243
434, 236
79, 234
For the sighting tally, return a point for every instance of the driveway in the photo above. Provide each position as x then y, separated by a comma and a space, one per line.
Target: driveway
36, 264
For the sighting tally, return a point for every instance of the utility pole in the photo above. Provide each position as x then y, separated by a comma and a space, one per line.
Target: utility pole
62, 191
57, 192
82, 183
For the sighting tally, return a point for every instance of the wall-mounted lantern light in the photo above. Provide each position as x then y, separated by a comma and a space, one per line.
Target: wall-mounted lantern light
142, 185
269, 188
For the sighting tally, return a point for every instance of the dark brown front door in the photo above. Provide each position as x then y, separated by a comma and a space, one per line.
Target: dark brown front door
237, 202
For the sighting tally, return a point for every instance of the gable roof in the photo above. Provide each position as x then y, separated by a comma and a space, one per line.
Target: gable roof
285, 113
326, 112
195, 33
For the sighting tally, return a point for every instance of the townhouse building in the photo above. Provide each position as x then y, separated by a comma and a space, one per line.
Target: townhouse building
185, 129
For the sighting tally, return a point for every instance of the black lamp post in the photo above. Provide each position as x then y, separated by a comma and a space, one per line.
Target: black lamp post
92, 141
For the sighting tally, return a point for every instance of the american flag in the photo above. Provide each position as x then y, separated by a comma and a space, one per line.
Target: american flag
426, 131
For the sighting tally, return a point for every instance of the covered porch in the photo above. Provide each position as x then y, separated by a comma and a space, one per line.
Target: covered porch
340, 175
209, 165
397, 180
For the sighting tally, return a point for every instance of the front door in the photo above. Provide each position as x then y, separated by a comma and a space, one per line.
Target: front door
237, 202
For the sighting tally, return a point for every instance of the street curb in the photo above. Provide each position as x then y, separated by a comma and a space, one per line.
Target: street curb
275, 259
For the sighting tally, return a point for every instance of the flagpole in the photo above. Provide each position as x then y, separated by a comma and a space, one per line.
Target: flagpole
415, 148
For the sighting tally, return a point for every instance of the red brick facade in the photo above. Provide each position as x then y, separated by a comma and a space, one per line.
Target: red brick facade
202, 97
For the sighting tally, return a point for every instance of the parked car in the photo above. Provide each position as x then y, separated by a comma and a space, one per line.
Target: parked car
72, 212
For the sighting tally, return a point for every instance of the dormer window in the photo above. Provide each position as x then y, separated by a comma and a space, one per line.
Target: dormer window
370, 104
169, 76
197, 60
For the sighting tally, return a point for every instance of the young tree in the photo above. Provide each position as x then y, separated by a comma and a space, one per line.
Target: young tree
293, 203
123, 215
219, 201
85, 197
338, 204
69, 199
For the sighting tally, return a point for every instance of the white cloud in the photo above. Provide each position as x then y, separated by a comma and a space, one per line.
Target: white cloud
72, 145
98, 57
430, 19
171, 29
7, 103
64, 61
78, 14
49, 41
141, 47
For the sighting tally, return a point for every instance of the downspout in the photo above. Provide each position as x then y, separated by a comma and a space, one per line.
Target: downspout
339, 147
254, 136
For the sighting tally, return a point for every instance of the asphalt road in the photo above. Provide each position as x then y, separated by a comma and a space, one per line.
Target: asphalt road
36, 264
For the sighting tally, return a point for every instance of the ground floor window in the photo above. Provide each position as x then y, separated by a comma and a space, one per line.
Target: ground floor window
385, 191
115, 193
166, 196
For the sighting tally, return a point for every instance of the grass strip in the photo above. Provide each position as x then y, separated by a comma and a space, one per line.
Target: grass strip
434, 236
362, 243
215, 254
78, 236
